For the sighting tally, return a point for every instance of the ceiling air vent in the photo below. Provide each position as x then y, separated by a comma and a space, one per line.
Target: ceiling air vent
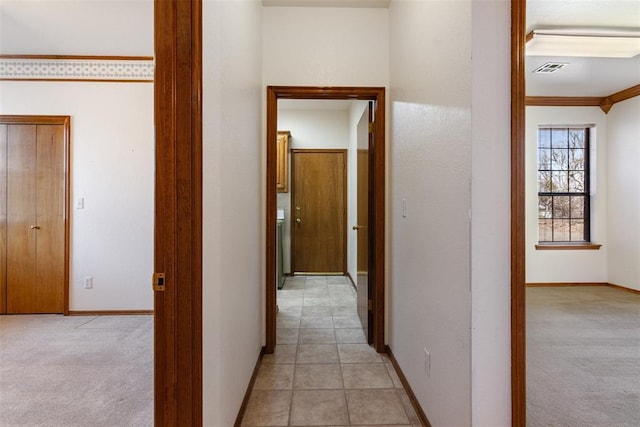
550, 67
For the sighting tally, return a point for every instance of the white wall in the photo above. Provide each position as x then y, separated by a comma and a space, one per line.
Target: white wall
325, 46
112, 168
64, 27
490, 221
623, 139
317, 128
309, 129
430, 299
233, 248
568, 266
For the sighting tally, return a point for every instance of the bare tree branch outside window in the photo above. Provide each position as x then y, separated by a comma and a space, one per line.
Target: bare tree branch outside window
563, 185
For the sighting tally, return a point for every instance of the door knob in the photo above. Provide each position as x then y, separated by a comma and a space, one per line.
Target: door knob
297, 208
359, 227
34, 227
298, 220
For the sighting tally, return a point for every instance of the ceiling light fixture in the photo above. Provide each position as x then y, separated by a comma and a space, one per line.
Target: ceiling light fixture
584, 42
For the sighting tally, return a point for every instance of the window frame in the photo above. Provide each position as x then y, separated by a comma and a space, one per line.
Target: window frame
585, 194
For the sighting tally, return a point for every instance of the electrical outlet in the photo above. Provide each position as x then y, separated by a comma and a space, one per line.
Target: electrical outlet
88, 282
427, 362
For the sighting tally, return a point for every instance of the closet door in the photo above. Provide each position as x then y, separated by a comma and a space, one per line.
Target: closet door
35, 219
50, 236
21, 210
3, 218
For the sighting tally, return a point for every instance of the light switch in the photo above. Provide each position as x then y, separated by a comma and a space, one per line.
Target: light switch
403, 208
80, 203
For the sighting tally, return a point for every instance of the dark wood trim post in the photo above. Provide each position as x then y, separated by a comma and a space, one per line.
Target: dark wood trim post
518, 337
178, 212
271, 214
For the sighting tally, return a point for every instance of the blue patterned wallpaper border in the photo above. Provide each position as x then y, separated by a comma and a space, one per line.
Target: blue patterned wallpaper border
111, 70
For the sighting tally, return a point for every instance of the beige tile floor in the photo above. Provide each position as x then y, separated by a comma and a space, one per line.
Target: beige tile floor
323, 373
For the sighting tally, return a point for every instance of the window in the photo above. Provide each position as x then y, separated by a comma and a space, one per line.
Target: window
563, 185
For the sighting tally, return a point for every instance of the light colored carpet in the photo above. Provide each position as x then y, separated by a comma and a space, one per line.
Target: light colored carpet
583, 357
76, 371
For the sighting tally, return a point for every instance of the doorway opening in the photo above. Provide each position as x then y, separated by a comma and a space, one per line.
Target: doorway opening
376, 192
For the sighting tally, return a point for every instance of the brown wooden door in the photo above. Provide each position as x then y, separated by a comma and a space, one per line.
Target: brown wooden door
35, 211
318, 211
364, 199
363, 239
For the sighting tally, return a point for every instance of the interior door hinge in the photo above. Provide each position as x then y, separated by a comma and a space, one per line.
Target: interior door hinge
371, 127
158, 282
369, 305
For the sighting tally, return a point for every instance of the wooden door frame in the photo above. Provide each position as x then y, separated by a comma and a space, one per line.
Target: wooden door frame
178, 212
64, 121
344, 152
518, 315
311, 92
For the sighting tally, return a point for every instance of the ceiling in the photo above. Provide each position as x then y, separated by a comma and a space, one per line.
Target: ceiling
327, 3
583, 76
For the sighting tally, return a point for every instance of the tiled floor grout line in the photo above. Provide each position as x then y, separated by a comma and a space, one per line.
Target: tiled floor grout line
338, 311
344, 388
295, 359
406, 413
293, 379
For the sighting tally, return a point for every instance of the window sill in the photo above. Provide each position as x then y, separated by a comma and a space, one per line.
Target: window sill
568, 246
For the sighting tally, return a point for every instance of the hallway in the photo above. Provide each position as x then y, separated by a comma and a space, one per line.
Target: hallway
322, 372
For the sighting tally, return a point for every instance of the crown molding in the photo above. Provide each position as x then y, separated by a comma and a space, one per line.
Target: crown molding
605, 103
623, 95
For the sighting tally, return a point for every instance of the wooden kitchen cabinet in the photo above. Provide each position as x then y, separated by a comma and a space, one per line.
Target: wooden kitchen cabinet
282, 174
